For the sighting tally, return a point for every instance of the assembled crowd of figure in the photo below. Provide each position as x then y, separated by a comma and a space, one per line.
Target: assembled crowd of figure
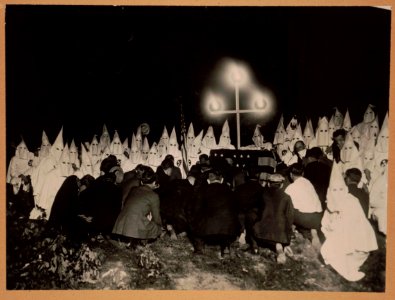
327, 185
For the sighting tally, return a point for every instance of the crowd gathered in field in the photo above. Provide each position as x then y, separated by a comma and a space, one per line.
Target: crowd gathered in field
330, 184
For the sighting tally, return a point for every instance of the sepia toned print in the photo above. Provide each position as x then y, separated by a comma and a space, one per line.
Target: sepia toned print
197, 148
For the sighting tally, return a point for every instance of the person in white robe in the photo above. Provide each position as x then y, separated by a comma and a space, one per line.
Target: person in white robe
290, 130
95, 152
20, 163
190, 137
308, 134
105, 139
125, 147
173, 149
74, 159
355, 134
369, 133
347, 122
322, 134
46, 165
349, 235
164, 139
331, 127
257, 137
117, 149
378, 197
337, 119
298, 136
135, 156
86, 167
43, 151
224, 139
153, 159
381, 148
145, 151
52, 183
194, 151
208, 142
350, 157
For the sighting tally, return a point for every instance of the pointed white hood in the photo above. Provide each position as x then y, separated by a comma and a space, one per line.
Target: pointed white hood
331, 127
57, 147
349, 153
208, 141
116, 145
368, 156
165, 137
125, 146
382, 139
135, 154
172, 147
86, 162
291, 128
153, 159
105, 139
194, 151
356, 135
21, 151
190, 136
64, 162
322, 133
45, 146
337, 190
94, 146
369, 114
308, 133
298, 136
145, 150
257, 138
139, 139
224, 140
74, 154
347, 122
337, 119
374, 129
280, 134
106, 153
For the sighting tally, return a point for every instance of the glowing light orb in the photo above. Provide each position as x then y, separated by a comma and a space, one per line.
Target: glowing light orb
214, 103
261, 101
236, 73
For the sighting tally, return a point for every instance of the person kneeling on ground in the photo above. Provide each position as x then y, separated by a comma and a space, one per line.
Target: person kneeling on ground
274, 226
307, 206
140, 219
214, 215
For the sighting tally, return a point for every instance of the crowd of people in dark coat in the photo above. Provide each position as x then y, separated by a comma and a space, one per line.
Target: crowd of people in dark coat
258, 195
216, 203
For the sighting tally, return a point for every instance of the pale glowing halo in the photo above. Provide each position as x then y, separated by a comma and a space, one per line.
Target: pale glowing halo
214, 102
236, 73
261, 102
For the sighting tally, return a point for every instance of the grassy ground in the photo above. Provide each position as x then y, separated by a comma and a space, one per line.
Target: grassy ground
171, 264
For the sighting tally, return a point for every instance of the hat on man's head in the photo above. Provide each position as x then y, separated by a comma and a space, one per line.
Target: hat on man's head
108, 163
276, 178
195, 172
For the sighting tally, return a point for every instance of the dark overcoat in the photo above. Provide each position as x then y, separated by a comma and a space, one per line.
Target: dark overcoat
133, 221
276, 217
215, 211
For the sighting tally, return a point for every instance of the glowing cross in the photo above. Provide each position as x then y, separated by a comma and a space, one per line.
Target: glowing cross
238, 76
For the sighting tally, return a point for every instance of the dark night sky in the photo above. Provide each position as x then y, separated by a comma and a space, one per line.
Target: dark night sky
82, 66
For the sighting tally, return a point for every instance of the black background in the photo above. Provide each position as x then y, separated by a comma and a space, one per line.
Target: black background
83, 66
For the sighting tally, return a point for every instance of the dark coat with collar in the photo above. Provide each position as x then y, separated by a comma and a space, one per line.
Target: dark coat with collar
133, 221
215, 211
